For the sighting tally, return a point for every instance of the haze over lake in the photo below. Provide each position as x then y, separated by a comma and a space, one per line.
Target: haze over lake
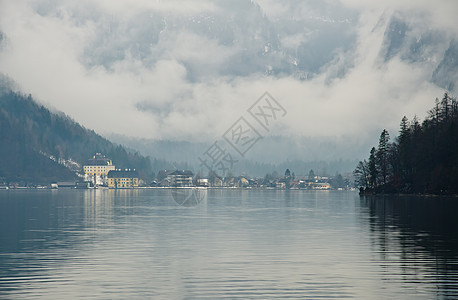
242, 244
268, 115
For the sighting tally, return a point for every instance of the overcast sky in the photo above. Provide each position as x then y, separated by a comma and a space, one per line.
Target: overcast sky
187, 69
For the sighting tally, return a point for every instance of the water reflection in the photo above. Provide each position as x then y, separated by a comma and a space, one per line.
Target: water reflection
417, 237
98, 208
235, 244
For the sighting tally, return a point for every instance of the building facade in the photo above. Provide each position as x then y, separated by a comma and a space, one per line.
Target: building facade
122, 179
96, 169
98, 165
180, 178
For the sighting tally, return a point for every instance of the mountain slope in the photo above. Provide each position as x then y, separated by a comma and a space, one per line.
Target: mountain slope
414, 42
39, 146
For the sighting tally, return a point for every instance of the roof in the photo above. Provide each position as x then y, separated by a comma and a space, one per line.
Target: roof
99, 160
122, 174
94, 162
182, 172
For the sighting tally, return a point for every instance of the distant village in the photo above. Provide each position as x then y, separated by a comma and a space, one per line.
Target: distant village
100, 172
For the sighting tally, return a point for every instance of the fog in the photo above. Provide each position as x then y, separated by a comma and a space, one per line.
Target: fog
186, 70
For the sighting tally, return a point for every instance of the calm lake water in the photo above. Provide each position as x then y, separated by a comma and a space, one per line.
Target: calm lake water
246, 244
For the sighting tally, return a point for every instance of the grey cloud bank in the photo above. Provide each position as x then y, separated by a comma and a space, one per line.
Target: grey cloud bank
187, 69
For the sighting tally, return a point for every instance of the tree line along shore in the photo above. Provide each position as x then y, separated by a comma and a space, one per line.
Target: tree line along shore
422, 159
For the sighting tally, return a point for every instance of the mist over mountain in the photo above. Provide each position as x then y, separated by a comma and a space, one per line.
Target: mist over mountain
184, 71
270, 149
38, 146
270, 154
445, 75
416, 42
227, 38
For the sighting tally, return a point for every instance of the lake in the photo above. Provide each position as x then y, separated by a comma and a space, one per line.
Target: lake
237, 244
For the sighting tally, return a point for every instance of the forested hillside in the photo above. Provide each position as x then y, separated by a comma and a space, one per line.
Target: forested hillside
37, 146
422, 159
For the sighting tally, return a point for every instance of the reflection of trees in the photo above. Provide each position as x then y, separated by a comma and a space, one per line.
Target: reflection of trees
418, 234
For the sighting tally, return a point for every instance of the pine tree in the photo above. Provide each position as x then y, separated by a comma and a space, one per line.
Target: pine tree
287, 178
287, 173
423, 158
372, 166
382, 155
403, 149
445, 107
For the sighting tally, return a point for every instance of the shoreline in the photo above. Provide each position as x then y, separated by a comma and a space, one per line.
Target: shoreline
408, 195
171, 188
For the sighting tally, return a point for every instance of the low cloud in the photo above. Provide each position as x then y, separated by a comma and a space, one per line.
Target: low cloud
177, 84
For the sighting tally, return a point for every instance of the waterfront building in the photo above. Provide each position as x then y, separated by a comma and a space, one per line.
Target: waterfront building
180, 178
96, 169
122, 178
